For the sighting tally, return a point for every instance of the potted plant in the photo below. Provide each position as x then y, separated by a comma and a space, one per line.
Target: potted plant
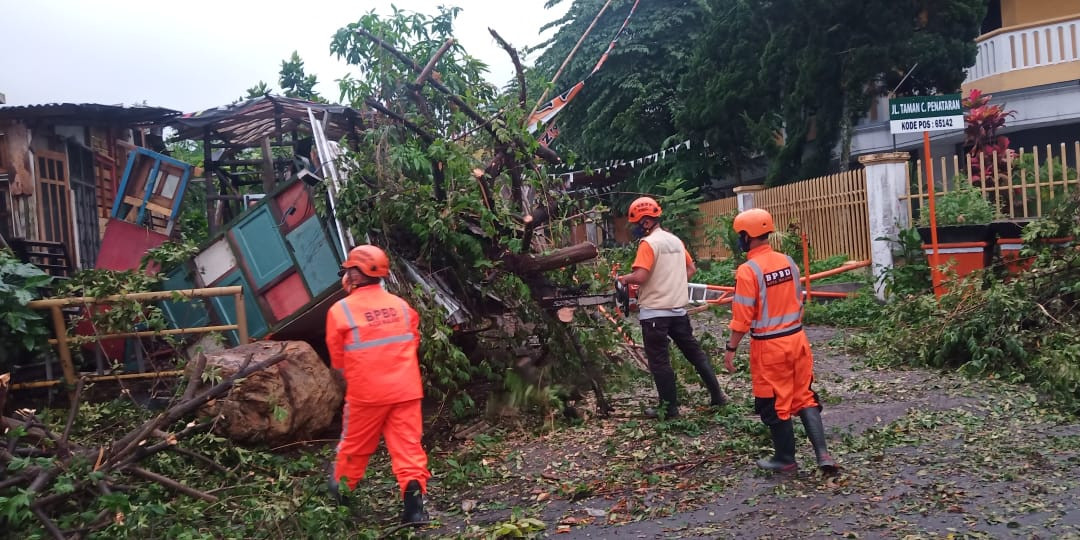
964, 235
1013, 235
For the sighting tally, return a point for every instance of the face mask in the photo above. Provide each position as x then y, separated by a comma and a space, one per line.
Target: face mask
637, 231
744, 242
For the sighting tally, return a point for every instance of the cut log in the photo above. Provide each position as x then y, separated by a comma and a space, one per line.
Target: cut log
559, 258
288, 402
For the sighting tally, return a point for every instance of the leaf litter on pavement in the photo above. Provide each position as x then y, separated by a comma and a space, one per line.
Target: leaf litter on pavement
924, 454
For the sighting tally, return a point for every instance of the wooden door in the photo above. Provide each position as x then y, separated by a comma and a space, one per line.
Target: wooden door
54, 199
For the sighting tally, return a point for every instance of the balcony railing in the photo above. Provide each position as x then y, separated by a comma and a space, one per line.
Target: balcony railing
1012, 49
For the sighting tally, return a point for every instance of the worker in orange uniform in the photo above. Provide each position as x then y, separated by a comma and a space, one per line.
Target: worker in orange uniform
662, 269
768, 305
373, 338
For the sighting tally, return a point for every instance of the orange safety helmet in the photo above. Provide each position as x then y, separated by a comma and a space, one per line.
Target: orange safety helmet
754, 222
643, 207
369, 260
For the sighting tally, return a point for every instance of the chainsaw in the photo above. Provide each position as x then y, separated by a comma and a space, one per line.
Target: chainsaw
624, 297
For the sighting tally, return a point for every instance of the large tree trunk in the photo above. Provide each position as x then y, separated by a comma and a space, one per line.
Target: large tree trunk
290, 401
559, 258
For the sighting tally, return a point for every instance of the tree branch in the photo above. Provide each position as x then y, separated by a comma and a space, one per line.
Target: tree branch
428, 138
170, 483
128, 444
48, 523
196, 377
199, 457
426, 72
72, 411
541, 151
522, 90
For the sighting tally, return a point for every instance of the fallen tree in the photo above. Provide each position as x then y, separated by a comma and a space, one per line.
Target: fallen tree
454, 183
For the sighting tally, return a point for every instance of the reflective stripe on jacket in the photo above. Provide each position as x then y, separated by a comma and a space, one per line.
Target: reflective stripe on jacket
768, 298
373, 337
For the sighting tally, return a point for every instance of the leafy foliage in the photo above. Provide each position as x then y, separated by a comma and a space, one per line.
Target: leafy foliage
126, 315
963, 205
680, 204
22, 330
626, 109
981, 124
857, 311
1021, 330
910, 273
295, 82
721, 231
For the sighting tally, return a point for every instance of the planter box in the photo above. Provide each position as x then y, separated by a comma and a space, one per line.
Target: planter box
1010, 244
967, 248
1010, 249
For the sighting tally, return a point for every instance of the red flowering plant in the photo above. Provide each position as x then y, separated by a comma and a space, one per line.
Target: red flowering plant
988, 152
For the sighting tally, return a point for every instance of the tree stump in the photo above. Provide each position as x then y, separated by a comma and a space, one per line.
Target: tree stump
288, 402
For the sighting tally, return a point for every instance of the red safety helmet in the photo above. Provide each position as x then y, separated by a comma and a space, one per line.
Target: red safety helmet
643, 207
369, 260
754, 222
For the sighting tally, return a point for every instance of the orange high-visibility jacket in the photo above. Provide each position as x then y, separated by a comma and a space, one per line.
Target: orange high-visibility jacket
768, 299
373, 336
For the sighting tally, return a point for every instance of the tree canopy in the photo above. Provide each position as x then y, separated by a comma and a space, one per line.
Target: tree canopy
775, 81
294, 82
626, 108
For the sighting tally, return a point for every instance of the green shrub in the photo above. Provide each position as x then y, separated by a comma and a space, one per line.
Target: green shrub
23, 331
964, 205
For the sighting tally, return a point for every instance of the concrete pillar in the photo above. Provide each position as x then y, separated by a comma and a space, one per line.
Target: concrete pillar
886, 183
744, 196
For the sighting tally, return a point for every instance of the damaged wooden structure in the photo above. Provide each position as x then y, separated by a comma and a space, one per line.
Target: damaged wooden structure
261, 169
61, 167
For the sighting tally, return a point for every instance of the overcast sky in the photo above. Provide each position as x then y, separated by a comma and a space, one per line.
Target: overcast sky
191, 55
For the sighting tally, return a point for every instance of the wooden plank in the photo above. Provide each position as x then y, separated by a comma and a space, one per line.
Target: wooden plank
155, 208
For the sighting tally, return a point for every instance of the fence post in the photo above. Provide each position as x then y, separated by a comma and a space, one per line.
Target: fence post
744, 196
886, 183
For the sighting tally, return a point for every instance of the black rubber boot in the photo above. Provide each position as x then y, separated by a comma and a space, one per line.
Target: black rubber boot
783, 437
815, 431
669, 398
708, 378
335, 492
413, 504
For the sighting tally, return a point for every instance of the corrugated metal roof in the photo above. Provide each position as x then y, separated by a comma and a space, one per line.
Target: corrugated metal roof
247, 122
88, 112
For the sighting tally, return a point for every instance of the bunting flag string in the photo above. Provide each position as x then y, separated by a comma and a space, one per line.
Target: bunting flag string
547, 112
609, 165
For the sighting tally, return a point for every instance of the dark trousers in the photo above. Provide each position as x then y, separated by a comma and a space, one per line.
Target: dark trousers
657, 333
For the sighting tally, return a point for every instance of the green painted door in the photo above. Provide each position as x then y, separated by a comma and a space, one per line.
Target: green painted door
314, 255
183, 313
226, 308
261, 247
